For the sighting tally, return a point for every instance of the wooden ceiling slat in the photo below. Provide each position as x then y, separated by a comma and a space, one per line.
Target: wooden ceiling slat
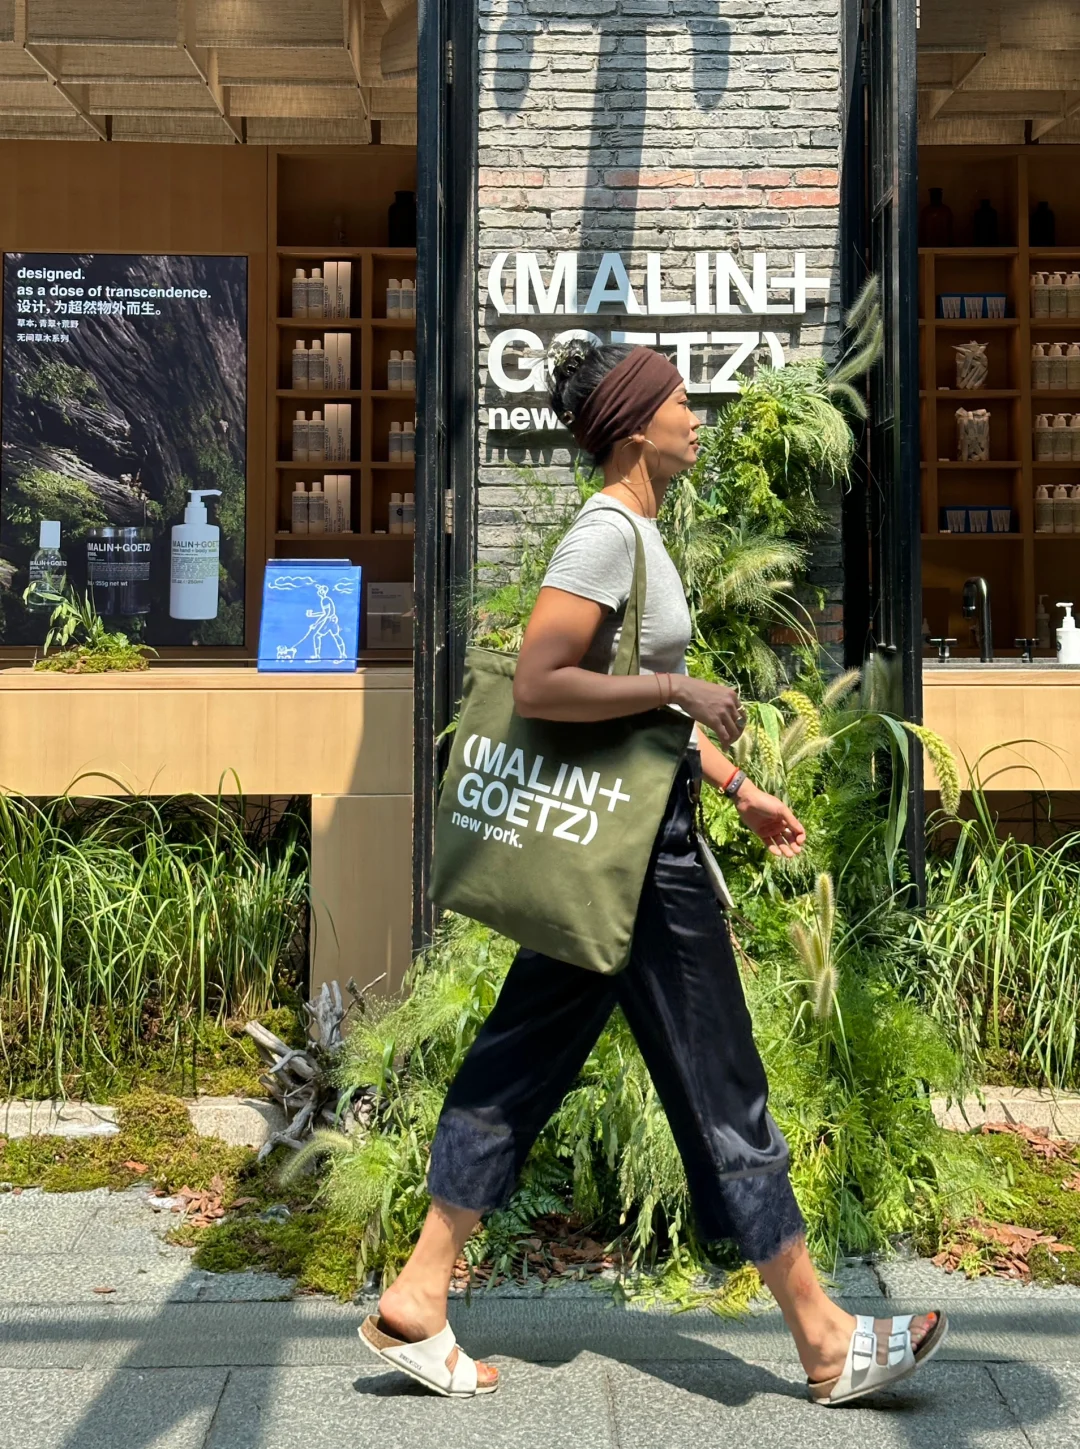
310, 72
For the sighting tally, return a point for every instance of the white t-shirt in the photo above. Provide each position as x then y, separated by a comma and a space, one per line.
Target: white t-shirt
595, 560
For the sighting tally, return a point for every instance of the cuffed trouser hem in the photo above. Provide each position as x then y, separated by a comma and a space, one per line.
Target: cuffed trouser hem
757, 1212
473, 1161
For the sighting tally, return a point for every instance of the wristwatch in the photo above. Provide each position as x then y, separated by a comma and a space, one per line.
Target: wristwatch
735, 784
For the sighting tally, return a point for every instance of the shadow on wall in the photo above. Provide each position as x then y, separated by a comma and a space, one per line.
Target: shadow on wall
613, 147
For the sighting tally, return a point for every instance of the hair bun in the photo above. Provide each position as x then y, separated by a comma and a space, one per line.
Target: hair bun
564, 360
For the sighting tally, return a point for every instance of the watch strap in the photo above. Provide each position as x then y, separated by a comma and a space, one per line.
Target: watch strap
735, 784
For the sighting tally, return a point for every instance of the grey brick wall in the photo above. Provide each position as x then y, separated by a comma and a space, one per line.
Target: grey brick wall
666, 126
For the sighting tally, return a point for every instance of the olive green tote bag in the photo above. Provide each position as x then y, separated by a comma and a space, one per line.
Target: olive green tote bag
544, 830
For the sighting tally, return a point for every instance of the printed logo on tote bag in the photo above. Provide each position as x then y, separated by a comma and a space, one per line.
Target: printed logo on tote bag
532, 803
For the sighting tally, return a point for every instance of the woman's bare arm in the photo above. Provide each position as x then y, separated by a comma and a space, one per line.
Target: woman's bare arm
550, 684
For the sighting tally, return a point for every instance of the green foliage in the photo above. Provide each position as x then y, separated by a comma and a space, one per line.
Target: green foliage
995, 957
128, 927
60, 382
773, 447
36, 493
86, 645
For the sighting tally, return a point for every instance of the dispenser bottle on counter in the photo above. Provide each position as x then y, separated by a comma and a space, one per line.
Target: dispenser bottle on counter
1068, 637
196, 549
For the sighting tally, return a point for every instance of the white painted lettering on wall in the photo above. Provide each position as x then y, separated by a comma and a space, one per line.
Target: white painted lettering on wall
709, 360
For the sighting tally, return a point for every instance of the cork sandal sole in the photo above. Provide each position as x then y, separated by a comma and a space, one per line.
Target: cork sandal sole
425, 1362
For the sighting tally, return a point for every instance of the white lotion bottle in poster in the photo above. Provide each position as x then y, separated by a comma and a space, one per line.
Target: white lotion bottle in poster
196, 548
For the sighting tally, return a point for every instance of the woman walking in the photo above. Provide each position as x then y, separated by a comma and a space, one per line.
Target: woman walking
680, 991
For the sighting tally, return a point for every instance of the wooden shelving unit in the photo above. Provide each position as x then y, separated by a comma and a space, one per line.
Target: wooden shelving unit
313, 197
1015, 181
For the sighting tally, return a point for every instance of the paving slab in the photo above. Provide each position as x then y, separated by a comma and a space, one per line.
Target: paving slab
685, 1406
1024, 1389
1057, 1113
239, 1121
58, 1409
562, 1407
35, 1222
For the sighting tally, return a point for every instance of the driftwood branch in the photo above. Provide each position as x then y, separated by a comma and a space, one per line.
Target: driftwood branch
302, 1079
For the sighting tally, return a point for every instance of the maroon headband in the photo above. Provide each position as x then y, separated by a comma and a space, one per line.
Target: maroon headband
626, 400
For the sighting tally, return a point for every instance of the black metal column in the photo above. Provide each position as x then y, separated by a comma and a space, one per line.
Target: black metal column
446, 397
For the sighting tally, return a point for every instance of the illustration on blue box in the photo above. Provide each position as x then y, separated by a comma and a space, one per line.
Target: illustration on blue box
310, 617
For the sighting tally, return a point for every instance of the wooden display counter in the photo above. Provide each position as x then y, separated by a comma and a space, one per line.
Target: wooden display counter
1032, 711
345, 740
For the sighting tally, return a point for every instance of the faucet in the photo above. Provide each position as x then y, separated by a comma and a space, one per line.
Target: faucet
977, 606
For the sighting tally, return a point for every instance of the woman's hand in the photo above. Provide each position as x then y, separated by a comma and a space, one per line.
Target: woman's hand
770, 819
714, 705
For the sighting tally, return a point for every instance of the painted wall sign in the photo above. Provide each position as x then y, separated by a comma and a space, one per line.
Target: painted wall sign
709, 359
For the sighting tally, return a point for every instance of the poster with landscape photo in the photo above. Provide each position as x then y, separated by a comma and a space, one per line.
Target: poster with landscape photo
124, 447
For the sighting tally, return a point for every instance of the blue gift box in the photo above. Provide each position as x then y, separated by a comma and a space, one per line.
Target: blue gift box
310, 617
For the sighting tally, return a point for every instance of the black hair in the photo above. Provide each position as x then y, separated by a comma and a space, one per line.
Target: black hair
577, 368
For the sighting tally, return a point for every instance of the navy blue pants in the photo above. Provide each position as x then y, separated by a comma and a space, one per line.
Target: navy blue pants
683, 1000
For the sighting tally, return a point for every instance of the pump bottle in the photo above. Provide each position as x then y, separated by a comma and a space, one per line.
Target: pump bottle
1068, 637
48, 569
196, 547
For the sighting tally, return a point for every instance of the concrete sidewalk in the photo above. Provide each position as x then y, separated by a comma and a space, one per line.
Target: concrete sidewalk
178, 1359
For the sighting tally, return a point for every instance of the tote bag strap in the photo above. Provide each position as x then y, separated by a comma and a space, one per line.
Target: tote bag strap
628, 654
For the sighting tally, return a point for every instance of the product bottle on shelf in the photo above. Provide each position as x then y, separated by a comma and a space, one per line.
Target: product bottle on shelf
408, 443
1060, 433
936, 222
1044, 512
317, 509
393, 298
397, 513
1062, 510
408, 513
1059, 302
1059, 372
299, 516
300, 293
316, 306
1074, 509
393, 371
1074, 437
300, 366
408, 300
401, 220
1072, 365
317, 366
1043, 229
1044, 439
48, 569
395, 443
317, 439
984, 225
300, 438
1040, 367
408, 370
1040, 295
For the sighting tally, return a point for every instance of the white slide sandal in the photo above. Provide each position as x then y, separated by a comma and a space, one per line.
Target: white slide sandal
426, 1361
880, 1353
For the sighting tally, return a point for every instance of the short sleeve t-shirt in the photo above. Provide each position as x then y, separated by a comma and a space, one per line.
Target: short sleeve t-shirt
595, 560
